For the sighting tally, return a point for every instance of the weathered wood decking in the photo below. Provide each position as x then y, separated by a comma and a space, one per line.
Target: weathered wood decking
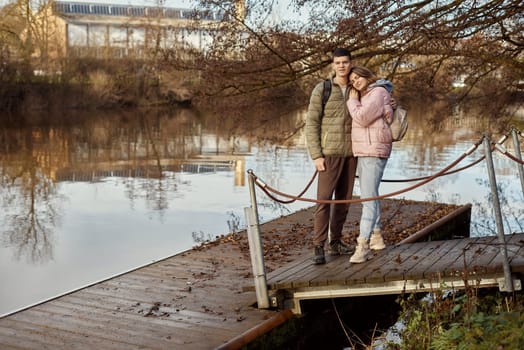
172, 304
197, 299
408, 267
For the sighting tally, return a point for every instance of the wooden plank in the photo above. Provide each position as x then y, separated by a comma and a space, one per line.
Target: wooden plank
197, 297
132, 294
199, 291
144, 332
288, 269
181, 302
154, 328
180, 272
404, 263
200, 294
486, 250
336, 275
371, 271
428, 264
333, 275
184, 269
309, 272
286, 278
435, 266
362, 275
318, 275
497, 262
164, 314
466, 253
43, 328
100, 329
185, 318
136, 283
20, 335
516, 253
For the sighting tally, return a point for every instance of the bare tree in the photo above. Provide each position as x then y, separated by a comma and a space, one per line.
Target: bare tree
428, 48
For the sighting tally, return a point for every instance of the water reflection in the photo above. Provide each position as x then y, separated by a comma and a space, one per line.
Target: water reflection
89, 195
30, 203
145, 150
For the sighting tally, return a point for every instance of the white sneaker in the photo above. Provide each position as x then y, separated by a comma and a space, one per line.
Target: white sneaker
376, 242
362, 251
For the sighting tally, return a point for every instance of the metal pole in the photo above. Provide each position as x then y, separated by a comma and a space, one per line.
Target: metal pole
255, 246
508, 287
516, 145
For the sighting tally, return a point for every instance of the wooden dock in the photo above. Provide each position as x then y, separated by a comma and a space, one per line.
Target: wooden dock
204, 298
402, 268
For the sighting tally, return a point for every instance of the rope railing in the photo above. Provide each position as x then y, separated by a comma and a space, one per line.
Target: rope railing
504, 152
268, 190
295, 198
500, 141
446, 173
424, 179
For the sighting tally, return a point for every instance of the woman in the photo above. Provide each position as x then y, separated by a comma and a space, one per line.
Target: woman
371, 111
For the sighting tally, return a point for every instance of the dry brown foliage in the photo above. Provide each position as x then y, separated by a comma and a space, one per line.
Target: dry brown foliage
422, 46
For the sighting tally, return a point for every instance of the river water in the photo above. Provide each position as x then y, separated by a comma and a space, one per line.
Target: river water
86, 196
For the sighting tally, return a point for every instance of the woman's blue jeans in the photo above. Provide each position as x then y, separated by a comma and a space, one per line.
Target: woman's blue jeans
370, 171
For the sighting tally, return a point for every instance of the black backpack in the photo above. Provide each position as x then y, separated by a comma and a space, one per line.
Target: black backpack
326, 93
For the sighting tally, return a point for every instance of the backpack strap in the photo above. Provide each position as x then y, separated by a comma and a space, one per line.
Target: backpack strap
326, 93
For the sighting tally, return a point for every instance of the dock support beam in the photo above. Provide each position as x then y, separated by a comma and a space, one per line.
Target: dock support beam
255, 246
508, 287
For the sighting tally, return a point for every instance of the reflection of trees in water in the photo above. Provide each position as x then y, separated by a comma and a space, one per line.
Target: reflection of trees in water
510, 198
31, 230
156, 192
71, 146
29, 203
136, 144
163, 136
512, 215
273, 207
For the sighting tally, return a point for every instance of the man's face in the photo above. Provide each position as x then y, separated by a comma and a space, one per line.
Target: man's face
341, 65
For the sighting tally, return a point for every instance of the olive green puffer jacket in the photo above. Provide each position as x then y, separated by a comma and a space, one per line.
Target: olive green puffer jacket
328, 135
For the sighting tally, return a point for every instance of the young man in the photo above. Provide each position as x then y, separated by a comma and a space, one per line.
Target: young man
328, 137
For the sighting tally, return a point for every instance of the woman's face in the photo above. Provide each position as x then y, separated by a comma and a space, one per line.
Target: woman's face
358, 82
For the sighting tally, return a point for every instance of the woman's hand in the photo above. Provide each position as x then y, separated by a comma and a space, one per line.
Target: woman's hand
353, 93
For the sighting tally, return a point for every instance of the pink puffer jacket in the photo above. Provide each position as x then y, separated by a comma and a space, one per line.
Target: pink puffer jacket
370, 132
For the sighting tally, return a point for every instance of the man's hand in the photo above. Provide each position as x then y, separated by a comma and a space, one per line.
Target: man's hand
319, 164
393, 103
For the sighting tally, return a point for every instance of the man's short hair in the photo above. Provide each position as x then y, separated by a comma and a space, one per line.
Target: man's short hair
340, 52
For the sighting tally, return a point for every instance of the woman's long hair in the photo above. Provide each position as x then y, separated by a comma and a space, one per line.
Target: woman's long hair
364, 73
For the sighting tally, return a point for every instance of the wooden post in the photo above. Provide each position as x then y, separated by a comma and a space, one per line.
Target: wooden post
255, 246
